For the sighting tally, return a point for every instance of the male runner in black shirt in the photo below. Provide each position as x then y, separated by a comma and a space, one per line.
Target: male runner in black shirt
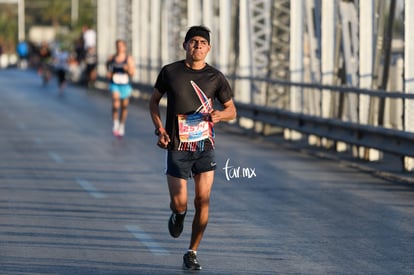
191, 86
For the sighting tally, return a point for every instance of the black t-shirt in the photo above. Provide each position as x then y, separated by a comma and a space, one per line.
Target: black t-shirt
117, 68
175, 80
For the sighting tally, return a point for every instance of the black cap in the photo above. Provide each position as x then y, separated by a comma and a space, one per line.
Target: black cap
198, 31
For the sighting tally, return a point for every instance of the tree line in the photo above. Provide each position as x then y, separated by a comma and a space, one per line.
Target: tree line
55, 13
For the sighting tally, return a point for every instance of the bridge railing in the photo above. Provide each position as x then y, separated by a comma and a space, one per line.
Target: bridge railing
382, 127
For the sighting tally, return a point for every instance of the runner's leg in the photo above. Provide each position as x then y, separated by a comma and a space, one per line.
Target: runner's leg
115, 111
124, 110
178, 194
115, 105
203, 184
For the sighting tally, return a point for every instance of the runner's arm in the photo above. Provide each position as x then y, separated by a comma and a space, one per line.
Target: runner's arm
130, 66
109, 67
155, 109
228, 113
163, 138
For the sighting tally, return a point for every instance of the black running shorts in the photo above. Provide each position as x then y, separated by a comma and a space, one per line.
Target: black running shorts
184, 164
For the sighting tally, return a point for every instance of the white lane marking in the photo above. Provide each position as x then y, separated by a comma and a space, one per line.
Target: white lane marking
56, 157
87, 186
146, 239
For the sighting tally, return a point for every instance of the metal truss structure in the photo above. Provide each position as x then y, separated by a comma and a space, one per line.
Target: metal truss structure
278, 66
334, 42
123, 21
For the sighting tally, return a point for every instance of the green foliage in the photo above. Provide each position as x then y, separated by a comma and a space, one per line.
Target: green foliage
56, 13
8, 26
48, 12
87, 14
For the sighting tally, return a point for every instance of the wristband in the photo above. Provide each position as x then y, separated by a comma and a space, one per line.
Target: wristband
158, 131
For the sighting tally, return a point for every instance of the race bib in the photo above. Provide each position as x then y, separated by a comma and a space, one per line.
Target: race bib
120, 78
193, 127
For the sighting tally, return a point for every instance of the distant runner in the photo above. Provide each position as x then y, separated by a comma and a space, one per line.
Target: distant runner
120, 68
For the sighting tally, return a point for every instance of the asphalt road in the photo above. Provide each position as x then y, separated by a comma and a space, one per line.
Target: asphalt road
76, 200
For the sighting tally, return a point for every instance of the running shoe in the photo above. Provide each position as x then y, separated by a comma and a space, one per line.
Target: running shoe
121, 130
115, 127
176, 224
190, 261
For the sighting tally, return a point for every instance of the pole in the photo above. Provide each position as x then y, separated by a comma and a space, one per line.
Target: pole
74, 11
21, 21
